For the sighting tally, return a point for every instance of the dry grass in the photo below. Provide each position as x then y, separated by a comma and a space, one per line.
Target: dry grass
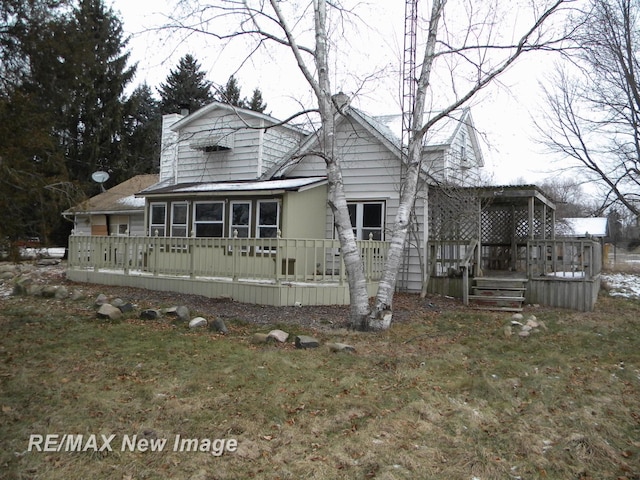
441, 397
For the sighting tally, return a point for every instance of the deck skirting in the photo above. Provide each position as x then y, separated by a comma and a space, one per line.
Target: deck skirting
245, 291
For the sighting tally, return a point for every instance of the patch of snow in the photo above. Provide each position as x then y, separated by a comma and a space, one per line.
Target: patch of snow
132, 201
623, 285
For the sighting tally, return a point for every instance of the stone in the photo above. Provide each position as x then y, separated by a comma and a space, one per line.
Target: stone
508, 331
117, 302
524, 333
305, 341
341, 347
278, 335
542, 325
21, 287
101, 299
532, 322
218, 325
181, 312
76, 295
49, 291
7, 275
108, 311
126, 308
517, 316
198, 322
45, 262
61, 293
150, 314
259, 338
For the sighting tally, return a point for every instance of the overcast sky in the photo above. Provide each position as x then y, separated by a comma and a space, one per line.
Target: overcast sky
502, 113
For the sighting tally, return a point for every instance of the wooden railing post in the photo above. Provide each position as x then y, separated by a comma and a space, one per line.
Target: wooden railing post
234, 255
278, 259
156, 249
191, 245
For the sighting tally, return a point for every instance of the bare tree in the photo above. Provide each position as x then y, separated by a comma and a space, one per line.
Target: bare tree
467, 46
593, 116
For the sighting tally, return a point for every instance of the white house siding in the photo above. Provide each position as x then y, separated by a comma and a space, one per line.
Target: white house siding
370, 172
253, 149
169, 150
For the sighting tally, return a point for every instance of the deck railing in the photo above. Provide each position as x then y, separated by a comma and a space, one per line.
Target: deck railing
564, 258
256, 259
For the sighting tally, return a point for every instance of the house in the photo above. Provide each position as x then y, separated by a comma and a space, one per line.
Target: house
240, 210
116, 211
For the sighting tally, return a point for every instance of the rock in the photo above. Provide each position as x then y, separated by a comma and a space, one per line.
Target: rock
198, 322
341, 347
61, 293
7, 275
126, 308
21, 287
150, 314
517, 316
181, 312
45, 262
542, 325
110, 312
508, 331
259, 338
526, 328
278, 335
117, 302
218, 325
35, 290
524, 333
305, 341
532, 323
49, 291
76, 295
101, 300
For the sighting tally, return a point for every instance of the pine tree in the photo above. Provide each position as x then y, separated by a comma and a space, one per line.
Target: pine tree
80, 72
230, 94
142, 134
185, 86
256, 103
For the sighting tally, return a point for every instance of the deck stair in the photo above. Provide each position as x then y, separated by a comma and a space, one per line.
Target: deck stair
497, 293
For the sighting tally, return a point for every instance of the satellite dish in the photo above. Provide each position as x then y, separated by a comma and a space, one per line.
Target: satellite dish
100, 177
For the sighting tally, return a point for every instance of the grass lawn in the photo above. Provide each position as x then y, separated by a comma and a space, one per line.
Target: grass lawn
440, 396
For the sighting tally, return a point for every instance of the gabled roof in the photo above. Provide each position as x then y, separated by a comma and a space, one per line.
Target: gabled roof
388, 130
240, 112
245, 187
119, 199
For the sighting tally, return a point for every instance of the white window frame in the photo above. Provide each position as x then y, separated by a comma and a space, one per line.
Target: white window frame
156, 226
259, 225
174, 226
220, 222
233, 226
359, 227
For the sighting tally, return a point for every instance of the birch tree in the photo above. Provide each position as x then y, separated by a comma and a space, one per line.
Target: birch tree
468, 46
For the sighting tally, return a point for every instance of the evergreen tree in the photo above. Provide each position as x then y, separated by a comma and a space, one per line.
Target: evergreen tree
256, 103
142, 134
230, 94
80, 72
185, 86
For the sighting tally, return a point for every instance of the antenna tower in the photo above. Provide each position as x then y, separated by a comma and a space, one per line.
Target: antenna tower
409, 69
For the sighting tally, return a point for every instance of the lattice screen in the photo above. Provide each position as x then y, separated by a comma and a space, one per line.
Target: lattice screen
453, 215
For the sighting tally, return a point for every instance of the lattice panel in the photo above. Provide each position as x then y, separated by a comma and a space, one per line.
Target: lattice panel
521, 224
496, 226
453, 217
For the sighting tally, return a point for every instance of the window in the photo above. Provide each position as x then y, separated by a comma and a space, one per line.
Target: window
158, 216
209, 219
179, 215
119, 225
240, 219
367, 218
268, 219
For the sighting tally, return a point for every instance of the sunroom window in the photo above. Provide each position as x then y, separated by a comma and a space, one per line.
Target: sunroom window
268, 219
179, 215
209, 219
158, 219
240, 219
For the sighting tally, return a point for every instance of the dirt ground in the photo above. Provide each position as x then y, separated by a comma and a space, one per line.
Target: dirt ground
406, 306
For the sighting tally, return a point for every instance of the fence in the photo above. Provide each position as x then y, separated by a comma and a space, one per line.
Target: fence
258, 259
